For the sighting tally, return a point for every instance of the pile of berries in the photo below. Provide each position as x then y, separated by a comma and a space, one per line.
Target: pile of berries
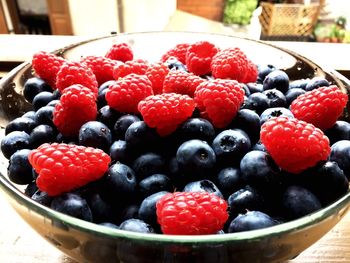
202, 142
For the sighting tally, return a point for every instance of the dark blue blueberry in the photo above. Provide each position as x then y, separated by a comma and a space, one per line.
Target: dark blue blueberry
292, 94
42, 198
129, 212
263, 71
229, 180
155, 183
195, 158
259, 170
73, 205
255, 88
259, 147
248, 121
275, 112
101, 99
203, 186
246, 90
42, 99
275, 98
14, 141
110, 225
277, 79
42, 134
56, 94
230, 146
136, 225
101, 210
33, 87
147, 211
53, 103
174, 64
141, 137
316, 82
45, 115
29, 114
20, 124
60, 138
122, 124
257, 102
245, 199
95, 134
120, 152
340, 152
31, 189
298, 202
339, 131
148, 164
299, 84
19, 169
196, 128
108, 116
250, 221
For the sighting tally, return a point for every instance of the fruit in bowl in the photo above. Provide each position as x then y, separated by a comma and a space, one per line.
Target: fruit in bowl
186, 151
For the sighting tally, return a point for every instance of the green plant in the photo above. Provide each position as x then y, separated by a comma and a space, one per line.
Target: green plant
239, 11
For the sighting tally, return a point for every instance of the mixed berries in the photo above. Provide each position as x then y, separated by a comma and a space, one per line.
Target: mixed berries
201, 142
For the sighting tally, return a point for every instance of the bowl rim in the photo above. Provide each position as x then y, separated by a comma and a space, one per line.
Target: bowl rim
337, 208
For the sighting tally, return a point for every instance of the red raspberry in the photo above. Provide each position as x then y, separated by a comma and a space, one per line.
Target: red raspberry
121, 52
156, 74
179, 52
76, 73
138, 67
293, 144
63, 167
77, 106
166, 112
321, 107
219, 100
102, 67
181, 82
191, 213
46, 66
232, 63
126, 93
199, 56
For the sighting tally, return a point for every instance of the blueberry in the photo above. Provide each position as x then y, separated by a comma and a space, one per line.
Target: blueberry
195, 158
174, 64
42, 198
259, 170
203, 186
275, 112
122, 124
100, 209
197, 128
120, 152
140, 136
257, 102
259, 147
275, 98
42, 99
42, 134
339, 131
263, 71
248, 121
155, 183
29, 114
340, 152
53, 103
108, 116
316, 82
277, 79
292, 94
298, 202
299, 84
229, 180
147, 211
136, 225
45, 115
95, 134
148, 164
254, 88
246, 90
60, 138
20, 124
19, 169
250, 221
101, 99
15, 141
31, 189
33, 86
110, 225
73, 205
56, 94
129, 212
230, 146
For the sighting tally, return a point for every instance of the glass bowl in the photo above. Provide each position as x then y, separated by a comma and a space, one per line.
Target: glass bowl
88, 242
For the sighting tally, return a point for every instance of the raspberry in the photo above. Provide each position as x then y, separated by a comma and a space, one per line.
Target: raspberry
138, 67
191, 213
321, 107
179, 52
293, 144
219, 100
63, 167
156, 74
76, 73
166, 112
199, 56
102, 67
77, 105
232, 63
121, 52
181, 82
126, 93
46, 66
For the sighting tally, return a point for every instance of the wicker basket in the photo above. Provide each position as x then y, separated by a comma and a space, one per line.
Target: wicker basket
288, 19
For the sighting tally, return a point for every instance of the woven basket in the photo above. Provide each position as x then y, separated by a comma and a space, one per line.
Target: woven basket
288, 19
